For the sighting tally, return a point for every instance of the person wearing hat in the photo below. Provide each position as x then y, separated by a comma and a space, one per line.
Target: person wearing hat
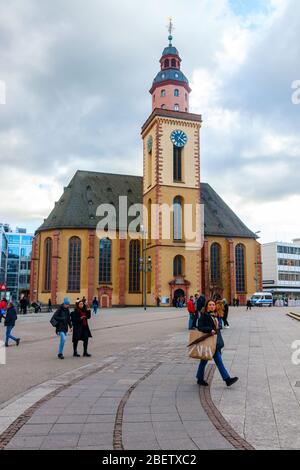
63, 323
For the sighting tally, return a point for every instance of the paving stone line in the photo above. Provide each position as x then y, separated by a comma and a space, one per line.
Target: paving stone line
220, 423
12, 430
118, 434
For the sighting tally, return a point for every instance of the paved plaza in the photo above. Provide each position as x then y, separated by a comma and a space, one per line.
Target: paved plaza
145, 395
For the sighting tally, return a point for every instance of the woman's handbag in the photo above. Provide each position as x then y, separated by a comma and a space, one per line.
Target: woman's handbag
202, 346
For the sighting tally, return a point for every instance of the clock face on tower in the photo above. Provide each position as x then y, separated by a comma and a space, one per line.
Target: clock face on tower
179, 138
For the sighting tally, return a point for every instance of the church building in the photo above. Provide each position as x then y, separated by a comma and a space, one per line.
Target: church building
74, 255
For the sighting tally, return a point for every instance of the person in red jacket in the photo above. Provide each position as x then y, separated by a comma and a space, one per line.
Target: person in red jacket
3, 308
192, 311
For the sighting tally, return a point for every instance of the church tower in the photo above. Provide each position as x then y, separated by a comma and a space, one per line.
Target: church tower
171, 163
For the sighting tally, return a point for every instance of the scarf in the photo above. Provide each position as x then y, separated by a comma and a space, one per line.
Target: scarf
82, 314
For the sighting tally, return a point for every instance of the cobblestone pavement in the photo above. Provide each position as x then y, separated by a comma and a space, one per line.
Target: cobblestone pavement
264, 406
147, 397
162, 411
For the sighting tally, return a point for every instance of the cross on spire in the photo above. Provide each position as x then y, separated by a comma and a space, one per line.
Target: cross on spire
170, 29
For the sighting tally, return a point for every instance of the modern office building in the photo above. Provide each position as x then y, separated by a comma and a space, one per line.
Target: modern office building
3, 254
281, 269
18, 262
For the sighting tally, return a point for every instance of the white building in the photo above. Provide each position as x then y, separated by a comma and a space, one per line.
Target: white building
281, 269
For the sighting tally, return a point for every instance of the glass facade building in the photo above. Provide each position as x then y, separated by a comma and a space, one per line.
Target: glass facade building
3, 254
18, 263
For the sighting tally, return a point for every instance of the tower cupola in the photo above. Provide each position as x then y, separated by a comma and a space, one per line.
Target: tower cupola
170, 89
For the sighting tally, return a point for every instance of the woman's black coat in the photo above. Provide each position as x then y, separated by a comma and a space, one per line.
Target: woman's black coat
10, 317
62, 316
206, 324
81, 332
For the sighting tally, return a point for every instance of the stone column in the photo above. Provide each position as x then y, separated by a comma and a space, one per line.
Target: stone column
231, 269
91, 266
34, 269
55, 267
122, 269
205, 269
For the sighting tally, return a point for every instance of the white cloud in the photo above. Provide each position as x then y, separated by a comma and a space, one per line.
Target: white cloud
77, 82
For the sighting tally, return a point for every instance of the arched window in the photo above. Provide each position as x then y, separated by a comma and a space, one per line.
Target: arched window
240, 269
178, 266
105, 261
166, 64
163, 93
173, 63
176, 107
177, 163
176, 92
134, 262
215, 263
177, 218
74, 267
48, 265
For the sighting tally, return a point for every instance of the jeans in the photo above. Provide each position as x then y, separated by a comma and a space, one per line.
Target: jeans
219, 363
9, 335
191, 320
95, 309
62, 342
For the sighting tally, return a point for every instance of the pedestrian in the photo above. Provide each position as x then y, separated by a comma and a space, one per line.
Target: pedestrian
158, 301
49, 306
3, 308
81, 330
10, 321
196, 297
24, 305
226, 312
249, 304
83, 300
220, 312
62, 321
191, 310
208, 323
200, 303
95, 305
237, 302
233, 303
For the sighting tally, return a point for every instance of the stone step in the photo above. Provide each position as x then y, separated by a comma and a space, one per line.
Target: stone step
295, 316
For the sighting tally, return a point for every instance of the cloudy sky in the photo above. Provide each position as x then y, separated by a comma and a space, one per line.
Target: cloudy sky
77, 75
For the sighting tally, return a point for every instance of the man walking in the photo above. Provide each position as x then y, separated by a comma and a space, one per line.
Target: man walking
10, 321
226, 311
192, 311
95, 305
62, 321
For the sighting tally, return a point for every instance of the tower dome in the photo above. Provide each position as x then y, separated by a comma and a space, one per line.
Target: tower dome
170, 88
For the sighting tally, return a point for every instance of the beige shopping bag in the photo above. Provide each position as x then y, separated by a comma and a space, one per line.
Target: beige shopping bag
202, 346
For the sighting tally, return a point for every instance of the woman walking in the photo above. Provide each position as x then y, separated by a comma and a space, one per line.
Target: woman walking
10, 321
62, 321
81, 330
208, 323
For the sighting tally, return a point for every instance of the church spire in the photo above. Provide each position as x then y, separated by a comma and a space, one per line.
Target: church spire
170, 88
170, 29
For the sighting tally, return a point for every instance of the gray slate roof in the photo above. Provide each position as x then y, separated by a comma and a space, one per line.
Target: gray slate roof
87, 190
